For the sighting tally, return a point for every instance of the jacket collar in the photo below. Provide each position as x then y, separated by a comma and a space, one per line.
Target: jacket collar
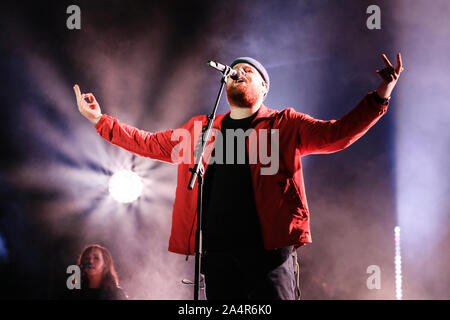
264, 112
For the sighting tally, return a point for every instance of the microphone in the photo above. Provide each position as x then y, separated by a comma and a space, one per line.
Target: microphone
234, 74
87, 266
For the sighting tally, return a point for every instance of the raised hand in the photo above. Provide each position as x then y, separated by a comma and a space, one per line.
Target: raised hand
89, 109
389, 75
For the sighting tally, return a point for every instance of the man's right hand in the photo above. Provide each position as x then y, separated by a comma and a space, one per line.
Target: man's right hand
90, 110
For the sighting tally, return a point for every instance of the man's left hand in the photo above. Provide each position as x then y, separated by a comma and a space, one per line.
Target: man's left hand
389, 75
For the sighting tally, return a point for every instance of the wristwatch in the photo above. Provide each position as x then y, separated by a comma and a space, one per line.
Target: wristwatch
379, 99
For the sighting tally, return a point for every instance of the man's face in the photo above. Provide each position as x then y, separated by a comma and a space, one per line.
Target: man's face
249, 89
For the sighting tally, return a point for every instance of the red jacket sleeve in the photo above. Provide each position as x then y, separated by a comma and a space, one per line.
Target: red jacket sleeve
157, 145
319, 136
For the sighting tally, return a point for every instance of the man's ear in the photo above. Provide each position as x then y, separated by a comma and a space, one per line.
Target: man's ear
264, 84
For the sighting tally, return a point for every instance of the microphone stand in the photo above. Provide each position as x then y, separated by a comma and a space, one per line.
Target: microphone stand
197, 174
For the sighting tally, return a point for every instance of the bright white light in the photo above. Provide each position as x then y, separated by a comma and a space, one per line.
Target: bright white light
398, 264
125, 186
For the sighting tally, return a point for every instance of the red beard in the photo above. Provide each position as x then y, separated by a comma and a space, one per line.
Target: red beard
242, 96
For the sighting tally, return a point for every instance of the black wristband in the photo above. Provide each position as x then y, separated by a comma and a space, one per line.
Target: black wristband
379, 99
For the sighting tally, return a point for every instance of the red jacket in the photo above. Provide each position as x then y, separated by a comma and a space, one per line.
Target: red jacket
280, 198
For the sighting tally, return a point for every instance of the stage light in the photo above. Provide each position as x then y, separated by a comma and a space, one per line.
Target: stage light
125, 186
398, 264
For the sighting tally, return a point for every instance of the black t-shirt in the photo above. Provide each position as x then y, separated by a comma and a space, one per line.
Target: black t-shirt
230, 220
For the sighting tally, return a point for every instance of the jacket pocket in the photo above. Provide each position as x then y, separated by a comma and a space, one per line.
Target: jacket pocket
291, 195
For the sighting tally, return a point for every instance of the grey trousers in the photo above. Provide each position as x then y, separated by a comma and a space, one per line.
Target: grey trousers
250, 275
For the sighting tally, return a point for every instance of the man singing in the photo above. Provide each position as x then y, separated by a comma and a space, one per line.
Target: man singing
252, 221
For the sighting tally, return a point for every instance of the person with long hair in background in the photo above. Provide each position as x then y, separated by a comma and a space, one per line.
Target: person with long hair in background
99, 280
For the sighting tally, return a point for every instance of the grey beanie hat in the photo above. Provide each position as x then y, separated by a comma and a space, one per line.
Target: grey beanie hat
254, 63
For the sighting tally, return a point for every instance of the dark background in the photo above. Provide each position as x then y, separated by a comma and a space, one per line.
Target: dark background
145, 61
